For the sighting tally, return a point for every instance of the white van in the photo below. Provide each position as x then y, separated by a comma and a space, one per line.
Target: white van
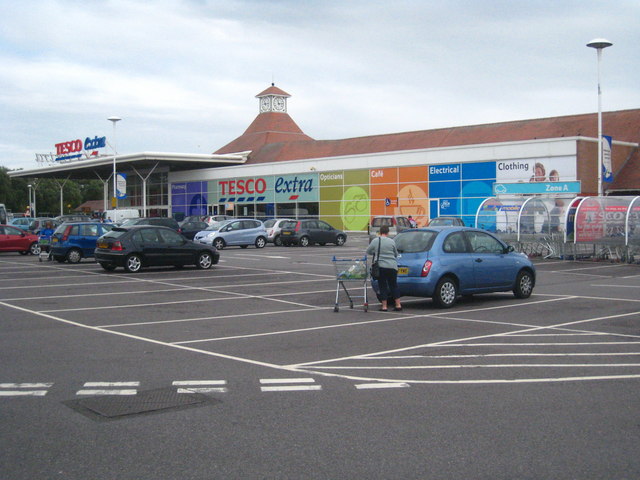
118, 216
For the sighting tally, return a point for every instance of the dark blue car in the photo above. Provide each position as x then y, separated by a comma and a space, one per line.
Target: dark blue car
74, 241
446, 262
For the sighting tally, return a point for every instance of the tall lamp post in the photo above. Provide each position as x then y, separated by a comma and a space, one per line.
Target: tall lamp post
30, 202
114, 120
599, 44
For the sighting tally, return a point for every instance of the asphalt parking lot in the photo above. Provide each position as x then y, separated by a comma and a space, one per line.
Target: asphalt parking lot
494, 388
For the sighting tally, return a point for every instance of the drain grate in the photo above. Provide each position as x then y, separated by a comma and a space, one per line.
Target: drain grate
150, 401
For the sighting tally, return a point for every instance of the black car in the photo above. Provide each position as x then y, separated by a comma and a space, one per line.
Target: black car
140, 246
189, 229
158, 221
310, 231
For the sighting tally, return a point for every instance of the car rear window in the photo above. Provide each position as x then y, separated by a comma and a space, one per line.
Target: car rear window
380, 221
411, 241
289, 224
115, 233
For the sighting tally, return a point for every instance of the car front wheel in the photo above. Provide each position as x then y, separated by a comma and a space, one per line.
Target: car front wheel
133, 263
446, 293
205, 260
218, 243
261, 242
74, 255
524, 285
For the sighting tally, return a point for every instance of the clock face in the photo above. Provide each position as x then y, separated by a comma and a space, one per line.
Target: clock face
265, 104
278, 104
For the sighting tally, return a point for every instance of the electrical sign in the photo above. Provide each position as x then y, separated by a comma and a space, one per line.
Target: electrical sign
74, 149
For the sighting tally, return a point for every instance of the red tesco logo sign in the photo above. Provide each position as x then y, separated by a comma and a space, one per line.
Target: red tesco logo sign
239, 187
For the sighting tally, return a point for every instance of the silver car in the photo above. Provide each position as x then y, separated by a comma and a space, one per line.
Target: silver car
274, 227
238, 232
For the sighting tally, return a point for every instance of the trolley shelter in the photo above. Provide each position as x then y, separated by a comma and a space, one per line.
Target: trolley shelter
595, 220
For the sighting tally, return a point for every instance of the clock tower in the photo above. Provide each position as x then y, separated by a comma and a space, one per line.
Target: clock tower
273, 100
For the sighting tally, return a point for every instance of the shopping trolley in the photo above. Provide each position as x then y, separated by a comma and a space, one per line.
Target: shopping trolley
351, 270
44, 242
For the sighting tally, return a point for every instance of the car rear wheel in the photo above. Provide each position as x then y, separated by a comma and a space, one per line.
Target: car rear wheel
277, 241
205, 260
261, 242
35, 249
108, 266
219, 243
524, 285
133, 263
446, 293
340, 240
304, 241
74, 255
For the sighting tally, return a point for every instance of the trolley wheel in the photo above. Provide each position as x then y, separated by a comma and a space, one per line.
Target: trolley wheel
351, 305
336, 309
366, 307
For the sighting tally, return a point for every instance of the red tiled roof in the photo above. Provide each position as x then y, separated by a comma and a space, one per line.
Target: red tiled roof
275, 137
273, 90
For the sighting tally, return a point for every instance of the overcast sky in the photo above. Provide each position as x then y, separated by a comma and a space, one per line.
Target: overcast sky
183, 74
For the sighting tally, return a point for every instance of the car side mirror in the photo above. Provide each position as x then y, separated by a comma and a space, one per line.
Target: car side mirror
509, 249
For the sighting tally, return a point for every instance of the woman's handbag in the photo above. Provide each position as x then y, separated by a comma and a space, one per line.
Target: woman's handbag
375, 268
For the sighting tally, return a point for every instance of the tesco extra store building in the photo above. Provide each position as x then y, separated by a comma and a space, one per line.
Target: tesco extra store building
424, 174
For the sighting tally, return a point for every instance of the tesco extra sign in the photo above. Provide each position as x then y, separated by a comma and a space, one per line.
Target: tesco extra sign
74, 148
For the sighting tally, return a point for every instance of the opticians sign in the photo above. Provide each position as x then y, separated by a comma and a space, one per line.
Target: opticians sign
73, 150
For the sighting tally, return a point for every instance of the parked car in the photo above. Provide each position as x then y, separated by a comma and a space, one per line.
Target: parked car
22, 222
72, 218
211, 219
14, 239
274, 227
189, 229
140, 246
238, 232
396, 224
309, 231
446, 222
446, 262
159, 221
38, 224
190, 218
74, 241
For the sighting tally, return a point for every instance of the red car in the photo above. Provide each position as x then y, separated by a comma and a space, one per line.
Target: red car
13, 239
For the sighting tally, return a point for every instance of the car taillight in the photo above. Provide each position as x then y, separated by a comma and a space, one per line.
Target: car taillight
179, 230
393, 222
297, 229
425, 268
116, 246
65, 235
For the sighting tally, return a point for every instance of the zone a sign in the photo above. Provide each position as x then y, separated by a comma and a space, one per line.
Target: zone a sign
73, 149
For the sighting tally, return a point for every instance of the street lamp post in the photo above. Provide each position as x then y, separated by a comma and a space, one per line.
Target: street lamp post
30, 202
114, 120
599, 44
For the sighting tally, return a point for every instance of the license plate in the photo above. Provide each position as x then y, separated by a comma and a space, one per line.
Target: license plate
54, 240
103, 245
286, 233
403, 270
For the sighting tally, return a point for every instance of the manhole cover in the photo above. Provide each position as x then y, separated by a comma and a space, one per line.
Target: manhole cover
150, 401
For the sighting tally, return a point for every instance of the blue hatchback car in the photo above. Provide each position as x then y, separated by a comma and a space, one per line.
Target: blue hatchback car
446, 262
74, 241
